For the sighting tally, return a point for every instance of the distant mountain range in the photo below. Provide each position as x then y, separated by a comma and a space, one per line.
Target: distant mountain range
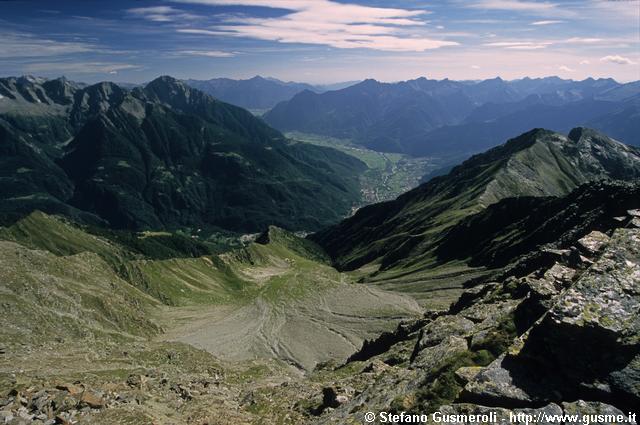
456, 118
433, 223
165, 155
258, 93
162, 156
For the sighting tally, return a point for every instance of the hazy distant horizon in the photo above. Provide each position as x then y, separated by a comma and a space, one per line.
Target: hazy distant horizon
299, 81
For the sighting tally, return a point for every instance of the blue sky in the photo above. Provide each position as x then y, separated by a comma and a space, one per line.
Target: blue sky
320, 41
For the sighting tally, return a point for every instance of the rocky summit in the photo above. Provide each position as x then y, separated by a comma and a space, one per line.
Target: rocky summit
536, 164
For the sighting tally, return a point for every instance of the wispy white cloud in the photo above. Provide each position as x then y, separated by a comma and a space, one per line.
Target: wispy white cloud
583, 40
534, 44
80, 67
20, 45
326, 22
161, 14
566, 68
519, 45
329, 10
515, 5
207, 53
597, 43
585, 62
549, 22
199, 31
617, 59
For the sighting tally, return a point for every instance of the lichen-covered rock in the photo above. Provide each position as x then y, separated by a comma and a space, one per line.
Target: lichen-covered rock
432, 358
72, 389
543, 288
494, 386
443, 327
376, 367
468, 373
488, 313
332, 397
92, 399
545, 415
587, 345
593, 242
559, 275
563, 330
607, 296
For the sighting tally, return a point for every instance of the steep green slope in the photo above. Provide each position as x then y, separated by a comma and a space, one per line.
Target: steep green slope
53, 234
186, 281
77, 297
162, 156
61, 236
163, 265
515, 226
538, 163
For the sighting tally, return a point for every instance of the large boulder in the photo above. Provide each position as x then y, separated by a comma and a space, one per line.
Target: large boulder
586, 346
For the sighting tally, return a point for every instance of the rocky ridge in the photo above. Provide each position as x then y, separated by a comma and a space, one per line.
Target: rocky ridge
574, 323
405, 232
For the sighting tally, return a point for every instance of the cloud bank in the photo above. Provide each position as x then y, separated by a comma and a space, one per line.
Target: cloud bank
326, 22
617, 59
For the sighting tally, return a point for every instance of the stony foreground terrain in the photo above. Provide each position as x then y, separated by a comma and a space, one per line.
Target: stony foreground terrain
563, 337
568, 314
